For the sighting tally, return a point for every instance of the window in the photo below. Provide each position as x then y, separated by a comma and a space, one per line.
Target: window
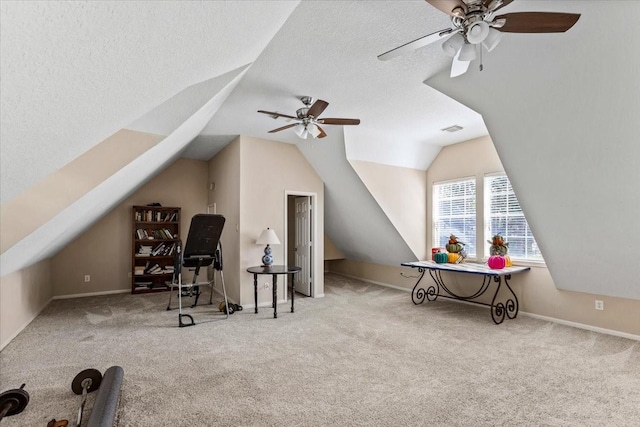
504, 216
454, 212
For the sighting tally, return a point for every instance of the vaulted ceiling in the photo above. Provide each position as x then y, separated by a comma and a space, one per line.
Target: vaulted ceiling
74, 73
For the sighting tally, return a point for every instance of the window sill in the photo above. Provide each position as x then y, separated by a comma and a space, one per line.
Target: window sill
526, 263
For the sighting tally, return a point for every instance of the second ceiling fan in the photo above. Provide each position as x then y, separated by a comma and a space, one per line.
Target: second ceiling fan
307, 120
475, 26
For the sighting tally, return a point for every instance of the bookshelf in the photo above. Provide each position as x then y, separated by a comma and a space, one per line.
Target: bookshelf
156, 230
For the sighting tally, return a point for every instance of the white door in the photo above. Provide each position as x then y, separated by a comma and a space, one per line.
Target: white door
302, 249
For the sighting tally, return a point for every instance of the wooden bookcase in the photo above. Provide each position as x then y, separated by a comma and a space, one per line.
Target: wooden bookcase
156, 230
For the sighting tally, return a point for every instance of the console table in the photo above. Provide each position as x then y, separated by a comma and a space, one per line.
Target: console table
498, 308
273, 270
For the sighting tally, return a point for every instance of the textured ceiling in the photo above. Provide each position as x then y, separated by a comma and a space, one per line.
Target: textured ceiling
74, 73
328, 50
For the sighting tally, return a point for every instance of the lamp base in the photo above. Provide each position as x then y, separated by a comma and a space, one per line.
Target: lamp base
267, 258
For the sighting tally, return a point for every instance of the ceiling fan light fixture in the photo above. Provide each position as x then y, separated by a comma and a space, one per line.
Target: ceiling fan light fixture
301, 130
477, 32
313, 130
467, 52
492, 39
453, 44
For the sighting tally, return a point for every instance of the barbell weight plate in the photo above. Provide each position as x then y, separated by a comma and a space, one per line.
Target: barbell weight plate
17, 398
93, 374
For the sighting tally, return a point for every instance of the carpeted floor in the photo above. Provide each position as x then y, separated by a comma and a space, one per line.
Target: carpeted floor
364, 355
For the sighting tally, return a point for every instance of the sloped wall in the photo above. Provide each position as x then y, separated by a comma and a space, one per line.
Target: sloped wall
402, 194
535, 289
355, 222
23, 294
104, 250
31, 209
563, 113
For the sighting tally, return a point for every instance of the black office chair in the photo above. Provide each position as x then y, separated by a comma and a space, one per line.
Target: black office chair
203, 249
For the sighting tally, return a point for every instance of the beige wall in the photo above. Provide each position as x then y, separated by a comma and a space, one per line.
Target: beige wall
104, 250
402, 195
535, 289
224, 173
268, 170
31, 209
23, 295
331, 251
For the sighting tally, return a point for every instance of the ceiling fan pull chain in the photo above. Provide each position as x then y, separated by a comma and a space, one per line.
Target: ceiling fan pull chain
480, 46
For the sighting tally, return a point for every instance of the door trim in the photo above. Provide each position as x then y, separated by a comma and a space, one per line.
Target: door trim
314, 233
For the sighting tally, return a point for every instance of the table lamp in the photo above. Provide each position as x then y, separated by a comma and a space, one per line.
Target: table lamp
267, 237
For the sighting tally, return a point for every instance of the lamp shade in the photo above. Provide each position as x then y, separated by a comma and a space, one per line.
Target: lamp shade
453, 44
268, 237
301, 130
477, 32
492, 40
467, 52
313, 130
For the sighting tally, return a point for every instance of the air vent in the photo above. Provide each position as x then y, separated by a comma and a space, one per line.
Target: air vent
454, 128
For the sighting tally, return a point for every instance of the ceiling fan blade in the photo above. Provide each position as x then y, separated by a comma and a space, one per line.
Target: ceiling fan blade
447, 6
459, 67
538, 22
415, 44
497, 4
271, 113
317, 108
283, 128
339, 121
322, 133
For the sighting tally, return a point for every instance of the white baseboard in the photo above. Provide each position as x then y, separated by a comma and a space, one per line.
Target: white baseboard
583, 326
387, 285
536, 316
21, 328
92, 294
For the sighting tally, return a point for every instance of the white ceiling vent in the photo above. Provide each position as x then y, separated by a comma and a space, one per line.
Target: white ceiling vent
454, 128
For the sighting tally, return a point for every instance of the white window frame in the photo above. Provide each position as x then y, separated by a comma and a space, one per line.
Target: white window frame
488, 233
435, 217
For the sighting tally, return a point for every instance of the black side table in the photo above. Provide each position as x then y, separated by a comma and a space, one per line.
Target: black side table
273, 270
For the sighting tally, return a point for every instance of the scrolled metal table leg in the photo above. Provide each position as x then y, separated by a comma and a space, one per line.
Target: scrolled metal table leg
418, 296
512, 304
498, 310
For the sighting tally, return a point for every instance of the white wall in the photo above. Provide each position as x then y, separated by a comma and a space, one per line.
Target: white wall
563, 111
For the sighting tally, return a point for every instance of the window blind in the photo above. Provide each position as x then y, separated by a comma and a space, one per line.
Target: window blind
504, 216
454, 212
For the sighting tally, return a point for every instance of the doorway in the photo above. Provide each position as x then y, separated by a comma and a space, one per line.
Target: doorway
299, 239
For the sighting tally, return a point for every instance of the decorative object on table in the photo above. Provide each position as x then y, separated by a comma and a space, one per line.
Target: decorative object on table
497, 262
441, 257
456, 250
267, 237
498, 252
433, 252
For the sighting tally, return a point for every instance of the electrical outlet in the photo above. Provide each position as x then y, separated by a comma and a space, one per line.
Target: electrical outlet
599, 304
266, 285
87, 278
129, 275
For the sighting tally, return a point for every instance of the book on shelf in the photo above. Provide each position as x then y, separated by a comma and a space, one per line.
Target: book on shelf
158, 250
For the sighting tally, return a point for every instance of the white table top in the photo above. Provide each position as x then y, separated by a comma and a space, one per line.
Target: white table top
466, 267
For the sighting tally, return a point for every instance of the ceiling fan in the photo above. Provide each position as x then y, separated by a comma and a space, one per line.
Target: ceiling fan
475, 25
307, 119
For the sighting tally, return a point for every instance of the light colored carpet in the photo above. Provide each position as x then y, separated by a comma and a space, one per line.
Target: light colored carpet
364, 355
